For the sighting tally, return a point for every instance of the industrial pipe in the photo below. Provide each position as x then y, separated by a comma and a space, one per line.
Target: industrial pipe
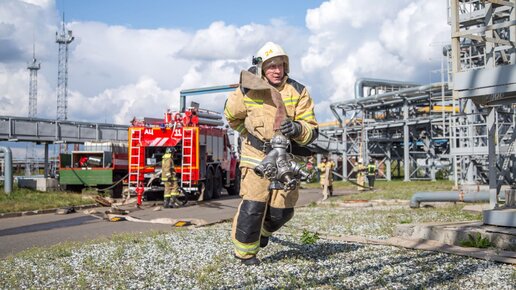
369, 82
333, 108
443, 196
211, 122
8, 174
396, 94
209, 115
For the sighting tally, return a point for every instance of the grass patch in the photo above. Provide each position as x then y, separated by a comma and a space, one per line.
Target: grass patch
309, 238
476, 241
207, 277
395, 189
23, 199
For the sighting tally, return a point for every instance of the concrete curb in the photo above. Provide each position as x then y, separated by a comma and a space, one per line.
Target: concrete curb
43, 211
497, 255
453, 233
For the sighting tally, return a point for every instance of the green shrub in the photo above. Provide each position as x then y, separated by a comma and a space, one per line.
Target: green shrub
309, 238
476, 241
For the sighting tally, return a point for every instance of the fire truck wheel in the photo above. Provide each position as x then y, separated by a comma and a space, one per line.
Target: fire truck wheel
234, 188
183, 197
207, 190
217, 183
117, 189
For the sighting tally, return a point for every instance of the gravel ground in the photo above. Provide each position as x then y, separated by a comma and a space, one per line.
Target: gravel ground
202, 259
377, 222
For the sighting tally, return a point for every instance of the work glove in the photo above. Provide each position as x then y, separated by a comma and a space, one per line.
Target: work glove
291, 129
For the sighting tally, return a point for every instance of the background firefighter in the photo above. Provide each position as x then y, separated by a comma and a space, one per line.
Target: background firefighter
326, 167
360, 170
371, 173
253, 113
168, 177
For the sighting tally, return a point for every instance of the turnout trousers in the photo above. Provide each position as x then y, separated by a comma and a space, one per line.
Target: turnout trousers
171, 188
260, 213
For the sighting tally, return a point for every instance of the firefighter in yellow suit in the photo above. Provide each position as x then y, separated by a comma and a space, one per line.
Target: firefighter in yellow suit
168, 177
360, 170
252, 113
326, 167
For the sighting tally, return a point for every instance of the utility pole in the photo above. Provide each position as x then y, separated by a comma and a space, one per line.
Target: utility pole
63, 38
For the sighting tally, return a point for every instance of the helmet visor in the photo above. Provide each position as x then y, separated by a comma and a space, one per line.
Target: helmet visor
275, 61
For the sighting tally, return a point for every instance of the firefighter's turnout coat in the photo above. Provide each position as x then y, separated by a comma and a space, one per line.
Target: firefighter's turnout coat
323, 168
253, 112
168, 176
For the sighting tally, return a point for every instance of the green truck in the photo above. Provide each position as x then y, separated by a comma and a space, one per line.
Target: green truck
101, 165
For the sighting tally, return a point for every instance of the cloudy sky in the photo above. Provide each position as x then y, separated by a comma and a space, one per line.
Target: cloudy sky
132, 57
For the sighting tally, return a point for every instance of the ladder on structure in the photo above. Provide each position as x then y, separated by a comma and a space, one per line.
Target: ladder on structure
187, 156
134, 160
505, 165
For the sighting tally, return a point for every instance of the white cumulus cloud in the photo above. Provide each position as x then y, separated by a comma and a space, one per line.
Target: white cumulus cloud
397, 40
117, 72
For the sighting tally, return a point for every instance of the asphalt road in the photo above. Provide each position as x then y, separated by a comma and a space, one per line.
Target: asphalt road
20, 233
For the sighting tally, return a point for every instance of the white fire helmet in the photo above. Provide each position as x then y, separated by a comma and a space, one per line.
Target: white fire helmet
272, 52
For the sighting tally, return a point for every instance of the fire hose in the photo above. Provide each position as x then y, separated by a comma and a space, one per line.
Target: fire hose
350, 181
114, 184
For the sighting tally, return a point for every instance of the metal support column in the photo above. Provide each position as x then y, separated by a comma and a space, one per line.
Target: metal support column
406, 145
491, 141
345, 153
388, 163
432, 162
45, 170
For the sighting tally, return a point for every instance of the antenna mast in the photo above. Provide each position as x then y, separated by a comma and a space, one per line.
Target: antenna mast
33, 67
63, 38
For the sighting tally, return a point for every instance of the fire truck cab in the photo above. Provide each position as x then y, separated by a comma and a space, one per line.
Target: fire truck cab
205, 160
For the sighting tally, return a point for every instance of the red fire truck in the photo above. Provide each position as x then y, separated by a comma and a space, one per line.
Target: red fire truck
205, 160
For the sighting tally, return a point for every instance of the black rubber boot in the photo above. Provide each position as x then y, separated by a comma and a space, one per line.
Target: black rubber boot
250, 262
264, 241
174, 202
166, 202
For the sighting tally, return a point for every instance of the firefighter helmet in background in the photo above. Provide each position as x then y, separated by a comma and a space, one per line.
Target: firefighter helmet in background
272, 52
170, 150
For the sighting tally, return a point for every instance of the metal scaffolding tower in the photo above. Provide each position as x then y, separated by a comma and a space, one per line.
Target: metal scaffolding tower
483, 53
400, 126
63, 38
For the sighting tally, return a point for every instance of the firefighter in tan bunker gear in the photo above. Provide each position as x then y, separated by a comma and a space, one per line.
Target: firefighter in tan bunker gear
252, 113
168, 177
325, 167
360, 170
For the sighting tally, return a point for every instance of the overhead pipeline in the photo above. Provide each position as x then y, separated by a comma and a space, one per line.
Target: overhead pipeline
448, 196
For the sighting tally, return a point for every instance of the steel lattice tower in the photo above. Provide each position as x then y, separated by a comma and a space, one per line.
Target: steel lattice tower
63, 38
33, 67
